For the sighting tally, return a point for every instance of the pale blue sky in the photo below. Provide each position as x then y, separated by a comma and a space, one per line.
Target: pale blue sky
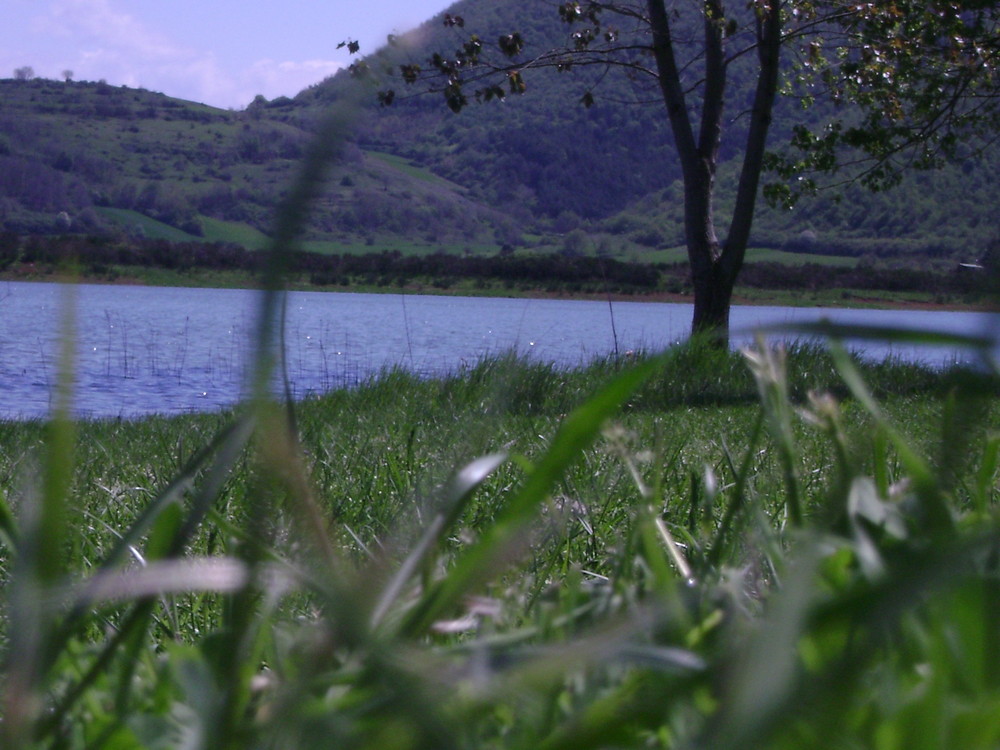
221, 52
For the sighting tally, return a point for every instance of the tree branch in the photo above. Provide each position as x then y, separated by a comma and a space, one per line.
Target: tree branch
670, 84
769, 55
713, 97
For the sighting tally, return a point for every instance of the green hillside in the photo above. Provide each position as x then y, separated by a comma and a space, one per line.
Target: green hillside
539, 171
92, 157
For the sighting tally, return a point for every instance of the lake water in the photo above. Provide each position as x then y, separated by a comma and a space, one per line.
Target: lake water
169, 350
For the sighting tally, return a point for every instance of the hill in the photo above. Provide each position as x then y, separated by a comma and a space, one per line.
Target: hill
92, 157
610, 168
537, 170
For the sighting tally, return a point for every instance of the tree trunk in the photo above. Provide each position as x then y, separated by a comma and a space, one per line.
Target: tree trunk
713, 294
714, 266
713, 284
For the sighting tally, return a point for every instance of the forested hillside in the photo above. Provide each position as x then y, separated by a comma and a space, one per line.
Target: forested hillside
611, 167
537, 170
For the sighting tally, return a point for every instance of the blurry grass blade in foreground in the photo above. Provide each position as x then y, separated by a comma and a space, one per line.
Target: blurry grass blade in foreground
892, 334
289, 225
41, 552
164, 577
985, 344
936, 516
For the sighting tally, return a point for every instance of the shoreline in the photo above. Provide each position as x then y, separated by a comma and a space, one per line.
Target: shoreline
836, 298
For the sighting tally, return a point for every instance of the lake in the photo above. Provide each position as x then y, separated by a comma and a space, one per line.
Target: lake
144, 350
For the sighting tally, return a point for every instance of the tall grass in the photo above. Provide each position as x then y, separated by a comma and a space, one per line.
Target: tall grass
690, 549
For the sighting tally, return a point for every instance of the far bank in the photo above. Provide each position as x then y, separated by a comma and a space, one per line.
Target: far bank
834, 297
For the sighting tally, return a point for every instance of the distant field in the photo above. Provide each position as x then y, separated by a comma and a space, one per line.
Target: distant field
151, 228
769, 255
404, 247
218, 230
407, 167
754, 255
215, 230
231, 231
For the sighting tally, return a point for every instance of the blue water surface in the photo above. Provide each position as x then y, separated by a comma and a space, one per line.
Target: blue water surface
143, 350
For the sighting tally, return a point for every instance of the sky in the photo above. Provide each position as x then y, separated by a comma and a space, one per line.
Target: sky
220, 52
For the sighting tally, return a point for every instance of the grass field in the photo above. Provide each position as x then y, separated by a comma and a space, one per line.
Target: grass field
395, 244
693, 550
135, 221
408, 167
218, 230
754, 255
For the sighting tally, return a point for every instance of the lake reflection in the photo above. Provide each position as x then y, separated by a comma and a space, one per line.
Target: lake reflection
142, 350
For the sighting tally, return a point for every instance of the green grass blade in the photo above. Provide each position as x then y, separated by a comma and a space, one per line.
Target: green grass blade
135, 624
613, 720
737, 496
8, 525
290, 222
229, 451
936, 514
854, 626
761, 677
229, 441
987, 473
58, 458
41, 554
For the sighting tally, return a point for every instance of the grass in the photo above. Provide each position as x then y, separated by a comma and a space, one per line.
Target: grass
754, 255
406, 166
151, 228
390, 243
217, 230
233, 279
856, 298
503, 558
214, 230
771, 255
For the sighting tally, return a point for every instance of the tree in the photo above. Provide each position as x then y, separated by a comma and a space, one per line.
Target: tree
67, 75
915, 74
24, 73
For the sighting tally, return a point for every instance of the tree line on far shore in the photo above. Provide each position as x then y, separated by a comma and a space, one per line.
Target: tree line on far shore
107, 257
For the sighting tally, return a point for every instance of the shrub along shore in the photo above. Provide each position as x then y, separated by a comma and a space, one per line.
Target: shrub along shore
699, 549
203, 264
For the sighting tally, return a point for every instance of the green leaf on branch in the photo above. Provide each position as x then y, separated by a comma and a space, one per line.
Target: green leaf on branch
516, 82
511, 44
